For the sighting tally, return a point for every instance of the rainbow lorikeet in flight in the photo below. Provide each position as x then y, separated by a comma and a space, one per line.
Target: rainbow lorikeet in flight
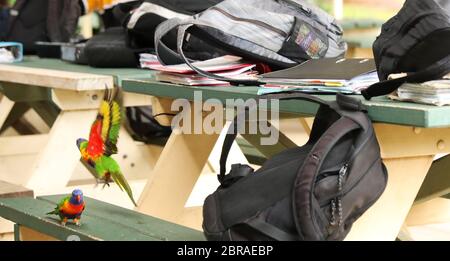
96, 152
70, 207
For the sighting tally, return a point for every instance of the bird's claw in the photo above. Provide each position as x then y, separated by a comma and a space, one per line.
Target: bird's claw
63, 222
77, 222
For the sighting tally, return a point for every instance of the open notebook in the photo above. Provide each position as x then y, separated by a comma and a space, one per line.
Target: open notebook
325, 75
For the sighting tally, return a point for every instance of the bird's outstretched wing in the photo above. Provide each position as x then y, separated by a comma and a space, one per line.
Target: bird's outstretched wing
59, 206
105, 129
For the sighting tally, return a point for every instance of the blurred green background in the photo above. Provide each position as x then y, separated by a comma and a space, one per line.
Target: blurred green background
364, 9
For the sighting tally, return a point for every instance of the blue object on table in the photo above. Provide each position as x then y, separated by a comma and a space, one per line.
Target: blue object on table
15, 48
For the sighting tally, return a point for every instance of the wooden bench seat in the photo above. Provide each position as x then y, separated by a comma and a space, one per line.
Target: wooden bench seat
100, 221
8, 190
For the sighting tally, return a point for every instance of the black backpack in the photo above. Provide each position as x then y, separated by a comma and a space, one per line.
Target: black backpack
142, 22
313, 192
143, 126
416, 41
42, 21
279, 33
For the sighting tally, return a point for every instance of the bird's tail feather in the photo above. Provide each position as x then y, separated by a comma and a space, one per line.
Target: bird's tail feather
120, 180
54, 212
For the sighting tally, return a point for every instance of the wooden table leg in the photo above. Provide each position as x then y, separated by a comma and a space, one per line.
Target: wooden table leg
175, 175
23, 233
385, 218
6, 106
58, 158
437, 182
433, 211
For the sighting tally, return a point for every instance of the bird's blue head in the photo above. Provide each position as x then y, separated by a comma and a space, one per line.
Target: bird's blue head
77, 197
81, 143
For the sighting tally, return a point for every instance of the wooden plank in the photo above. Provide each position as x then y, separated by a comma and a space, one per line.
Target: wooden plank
20, 145
54, 79
58, 65
6, 105
100, 221
380, 109
16, 113
57, 160
8, 190
47, 110
191, 217
437, 182
74, 100
161, 105
193, 151
148, 225
429, 212
25, 93
420, 141
190, 152
385, 218
23, 127
28, 234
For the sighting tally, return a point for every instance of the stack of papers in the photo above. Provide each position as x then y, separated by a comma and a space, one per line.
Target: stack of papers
432, 92
330, 75
227, 66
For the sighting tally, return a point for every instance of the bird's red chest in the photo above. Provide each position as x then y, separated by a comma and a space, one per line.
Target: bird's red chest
71, 209
95, 144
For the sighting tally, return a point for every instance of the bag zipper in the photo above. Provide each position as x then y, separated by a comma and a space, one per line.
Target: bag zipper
309, 12
251, 21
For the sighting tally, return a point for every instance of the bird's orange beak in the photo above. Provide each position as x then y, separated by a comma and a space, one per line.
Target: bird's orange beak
78, 198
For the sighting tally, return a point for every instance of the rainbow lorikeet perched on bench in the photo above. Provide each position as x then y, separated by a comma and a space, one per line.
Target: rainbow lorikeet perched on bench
96, 152
70, 207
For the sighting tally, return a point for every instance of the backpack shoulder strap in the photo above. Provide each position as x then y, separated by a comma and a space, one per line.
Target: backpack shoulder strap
14, 14
233, 129
168, 56
435, 71
303, 186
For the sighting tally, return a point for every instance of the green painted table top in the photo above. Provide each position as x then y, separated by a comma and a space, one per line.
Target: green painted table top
380, 109
55, 64
100, 221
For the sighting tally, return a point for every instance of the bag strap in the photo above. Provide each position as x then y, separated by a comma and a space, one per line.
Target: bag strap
432, 72
271, 231
343, 102
166, 55
233, 129
14, 15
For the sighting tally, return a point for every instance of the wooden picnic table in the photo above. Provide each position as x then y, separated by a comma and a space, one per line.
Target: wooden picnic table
410, 135
67, 97
100, 221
